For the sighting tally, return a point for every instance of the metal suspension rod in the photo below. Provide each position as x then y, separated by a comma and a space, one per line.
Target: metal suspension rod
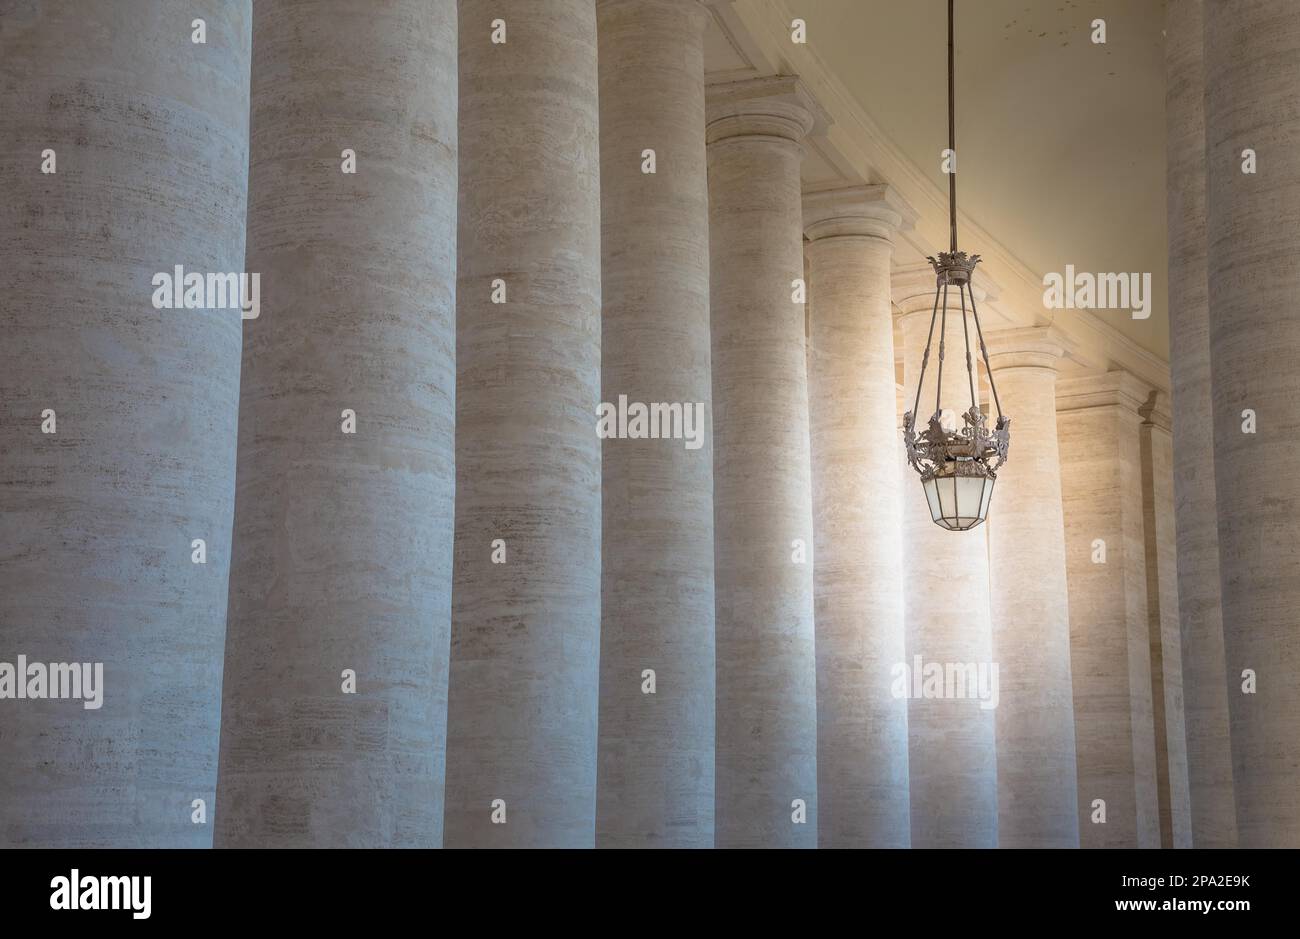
943, 334
984, 350
920, 382
965, 331
952, 132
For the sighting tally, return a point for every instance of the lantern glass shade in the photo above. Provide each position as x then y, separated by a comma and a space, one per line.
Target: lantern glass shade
958, 503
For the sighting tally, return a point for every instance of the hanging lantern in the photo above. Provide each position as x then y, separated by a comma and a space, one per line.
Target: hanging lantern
957, 462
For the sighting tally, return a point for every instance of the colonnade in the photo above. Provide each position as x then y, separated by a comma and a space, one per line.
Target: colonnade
460, 612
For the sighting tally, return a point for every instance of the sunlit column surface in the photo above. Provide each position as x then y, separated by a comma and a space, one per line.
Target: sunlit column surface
766, 761
1037, 788
862, 788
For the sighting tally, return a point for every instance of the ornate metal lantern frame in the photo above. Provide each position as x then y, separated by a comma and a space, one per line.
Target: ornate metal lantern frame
957, 465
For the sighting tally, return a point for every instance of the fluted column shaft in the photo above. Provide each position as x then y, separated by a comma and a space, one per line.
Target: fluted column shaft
521, 726
1102, 497
952, 757
655, 772
1037, 788
1252, 77
123, 153
1205, 689
862, 796
342, 555
766, 670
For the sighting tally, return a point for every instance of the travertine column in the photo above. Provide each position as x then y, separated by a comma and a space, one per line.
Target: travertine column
1037, 788
1110, 659
1209, 754
1252, 80
1162, 612
862, 798
342, 546
521, 727
123, 153
952, 757
655, 775
766, 668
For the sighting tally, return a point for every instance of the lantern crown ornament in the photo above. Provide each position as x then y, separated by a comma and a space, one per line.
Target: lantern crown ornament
958, 462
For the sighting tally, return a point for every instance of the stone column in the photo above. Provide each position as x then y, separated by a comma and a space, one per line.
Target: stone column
123, 153
521, 726
952, 757
655, 774
1252, 80
342, 560
1101, 485
1209, 754
766, 668
1037, 788
862, 797
1162, 611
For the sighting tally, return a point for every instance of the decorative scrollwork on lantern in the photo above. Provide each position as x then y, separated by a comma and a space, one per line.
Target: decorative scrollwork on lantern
977, 450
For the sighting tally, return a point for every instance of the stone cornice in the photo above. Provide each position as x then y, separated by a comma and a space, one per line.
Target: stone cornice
1157, 412
1116, 388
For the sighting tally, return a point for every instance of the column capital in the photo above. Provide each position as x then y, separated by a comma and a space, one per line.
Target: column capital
1026, 347
1116, 388
873, 211
778, 107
